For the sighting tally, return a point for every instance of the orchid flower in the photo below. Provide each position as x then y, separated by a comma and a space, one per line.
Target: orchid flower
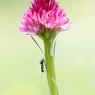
46, 19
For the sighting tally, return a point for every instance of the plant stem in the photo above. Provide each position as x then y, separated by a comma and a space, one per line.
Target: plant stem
50, 69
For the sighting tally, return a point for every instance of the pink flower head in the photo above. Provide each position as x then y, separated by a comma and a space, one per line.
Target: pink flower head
46, 14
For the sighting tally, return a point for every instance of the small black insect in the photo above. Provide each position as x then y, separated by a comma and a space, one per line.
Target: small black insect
42, 61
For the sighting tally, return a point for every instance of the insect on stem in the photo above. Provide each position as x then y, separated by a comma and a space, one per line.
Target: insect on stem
42, 61
42, 64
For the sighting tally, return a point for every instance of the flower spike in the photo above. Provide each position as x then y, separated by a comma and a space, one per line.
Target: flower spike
44, 14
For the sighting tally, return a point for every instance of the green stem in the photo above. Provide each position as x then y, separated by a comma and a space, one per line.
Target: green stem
50, 69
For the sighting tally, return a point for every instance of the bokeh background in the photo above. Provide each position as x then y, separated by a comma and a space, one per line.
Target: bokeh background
75, 52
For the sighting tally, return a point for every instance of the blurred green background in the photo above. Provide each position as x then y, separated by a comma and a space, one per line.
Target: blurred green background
75, 52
